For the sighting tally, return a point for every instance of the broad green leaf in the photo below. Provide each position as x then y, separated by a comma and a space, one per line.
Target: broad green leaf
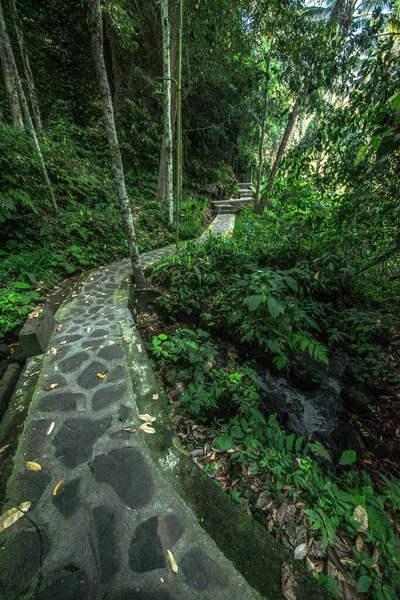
348, 458
364, 583
253, 302
273, 307
225, 442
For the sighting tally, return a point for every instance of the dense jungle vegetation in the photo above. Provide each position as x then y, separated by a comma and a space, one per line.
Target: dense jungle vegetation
302, 97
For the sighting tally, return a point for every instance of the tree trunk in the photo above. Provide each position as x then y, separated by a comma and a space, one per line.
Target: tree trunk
289, 127
27, 70
264, 121
179, 125
166, 34
5, 43
161, 190
96, 31
119, 90
9, 79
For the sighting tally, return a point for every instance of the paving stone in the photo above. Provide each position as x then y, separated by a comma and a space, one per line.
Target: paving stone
35, 437
94, 310
69, 584
88, 378
99, 333
124, 413
104, 524
107, 395
201, 572
112, 352
68, 498
70, 338
137, 594
93, 344
53, 377
74, 441
70, 364
117, 374
127, 472
61, 401
31, 484
20, 560
150, 542
112, 286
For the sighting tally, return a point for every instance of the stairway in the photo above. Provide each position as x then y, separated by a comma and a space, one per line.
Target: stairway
233, 205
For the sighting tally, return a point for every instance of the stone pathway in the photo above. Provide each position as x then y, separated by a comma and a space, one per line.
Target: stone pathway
103, 520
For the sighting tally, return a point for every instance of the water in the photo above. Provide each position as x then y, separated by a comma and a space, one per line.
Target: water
315, 414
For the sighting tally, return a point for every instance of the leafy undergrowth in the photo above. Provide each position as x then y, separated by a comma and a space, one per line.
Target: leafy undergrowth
329, 516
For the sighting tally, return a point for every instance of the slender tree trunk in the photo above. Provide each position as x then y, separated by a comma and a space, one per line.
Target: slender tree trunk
5, 43
161, 189
9, 79
27, 70
264, 121
166, 34
179, 123
96, 30
289, 128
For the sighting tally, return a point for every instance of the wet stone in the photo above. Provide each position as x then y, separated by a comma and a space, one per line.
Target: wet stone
112, 352
71, 338
52, 377
150, 542
107, 395
111, 286
136, 594
94, 309
75, 440
70, 364
98, 333
93, 344
20, 559
67, 499
31, 484
88, 378
35, 438
70, 583
104, 524
117, 374
200, 571
124, 413
62, 401
127, 472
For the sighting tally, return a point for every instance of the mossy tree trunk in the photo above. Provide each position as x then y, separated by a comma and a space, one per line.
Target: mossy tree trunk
96, 30
166, 34
9, 80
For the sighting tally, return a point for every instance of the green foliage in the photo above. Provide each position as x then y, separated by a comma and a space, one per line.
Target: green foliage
283, 460
15, 303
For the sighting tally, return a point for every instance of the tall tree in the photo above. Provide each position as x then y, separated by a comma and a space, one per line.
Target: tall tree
27, 69
95, 19
173, 15
179, 125
264, 122
166, 34
9, 58
9, 79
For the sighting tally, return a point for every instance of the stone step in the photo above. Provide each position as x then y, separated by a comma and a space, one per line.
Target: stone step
232, 202
244, 185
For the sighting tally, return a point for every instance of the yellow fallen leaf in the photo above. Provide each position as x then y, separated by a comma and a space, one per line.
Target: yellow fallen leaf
59, 327
100, 375
34, 373
53, 351
11, 516
147, 429
51, 387
316, 276
172, 561
33, 466
359, 543
147, 418
50, 428
58, 486
361, 516
4, 448
130, 429
62, 343
155, 396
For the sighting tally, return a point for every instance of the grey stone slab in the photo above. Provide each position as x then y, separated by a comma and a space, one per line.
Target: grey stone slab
201, 572
112, 352
69, 583
108, 395
35, 437
75, 440
89, 379
73, 362
35, 334
106, 541
152, 538
67, 500
62, 401
127, 472
7, 386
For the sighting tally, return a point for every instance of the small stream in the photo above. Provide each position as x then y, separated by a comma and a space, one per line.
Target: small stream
317, 414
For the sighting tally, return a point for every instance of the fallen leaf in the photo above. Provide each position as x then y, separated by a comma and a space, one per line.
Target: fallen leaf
63, 342
130, 429
34, 373
361, 516
58, 486
89, 348
288, 582
301, 551
51, 387
11, 516
59, 327
4, 448
155, 396
88, 330
162, 580
147, 429
147, 418
50, 428
33, 466
172, 561
359, 543
100, 375
53, 351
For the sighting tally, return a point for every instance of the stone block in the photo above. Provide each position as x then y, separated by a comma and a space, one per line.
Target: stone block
7, 385
35, 334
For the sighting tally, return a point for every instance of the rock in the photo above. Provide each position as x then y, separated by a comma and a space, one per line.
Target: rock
355, 400
7, 386
35, 334
4, 350
305, 376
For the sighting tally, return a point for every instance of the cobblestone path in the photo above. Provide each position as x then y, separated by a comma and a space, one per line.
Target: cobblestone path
103, 520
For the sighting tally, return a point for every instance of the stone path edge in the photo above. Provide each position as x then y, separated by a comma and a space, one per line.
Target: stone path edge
252, 550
